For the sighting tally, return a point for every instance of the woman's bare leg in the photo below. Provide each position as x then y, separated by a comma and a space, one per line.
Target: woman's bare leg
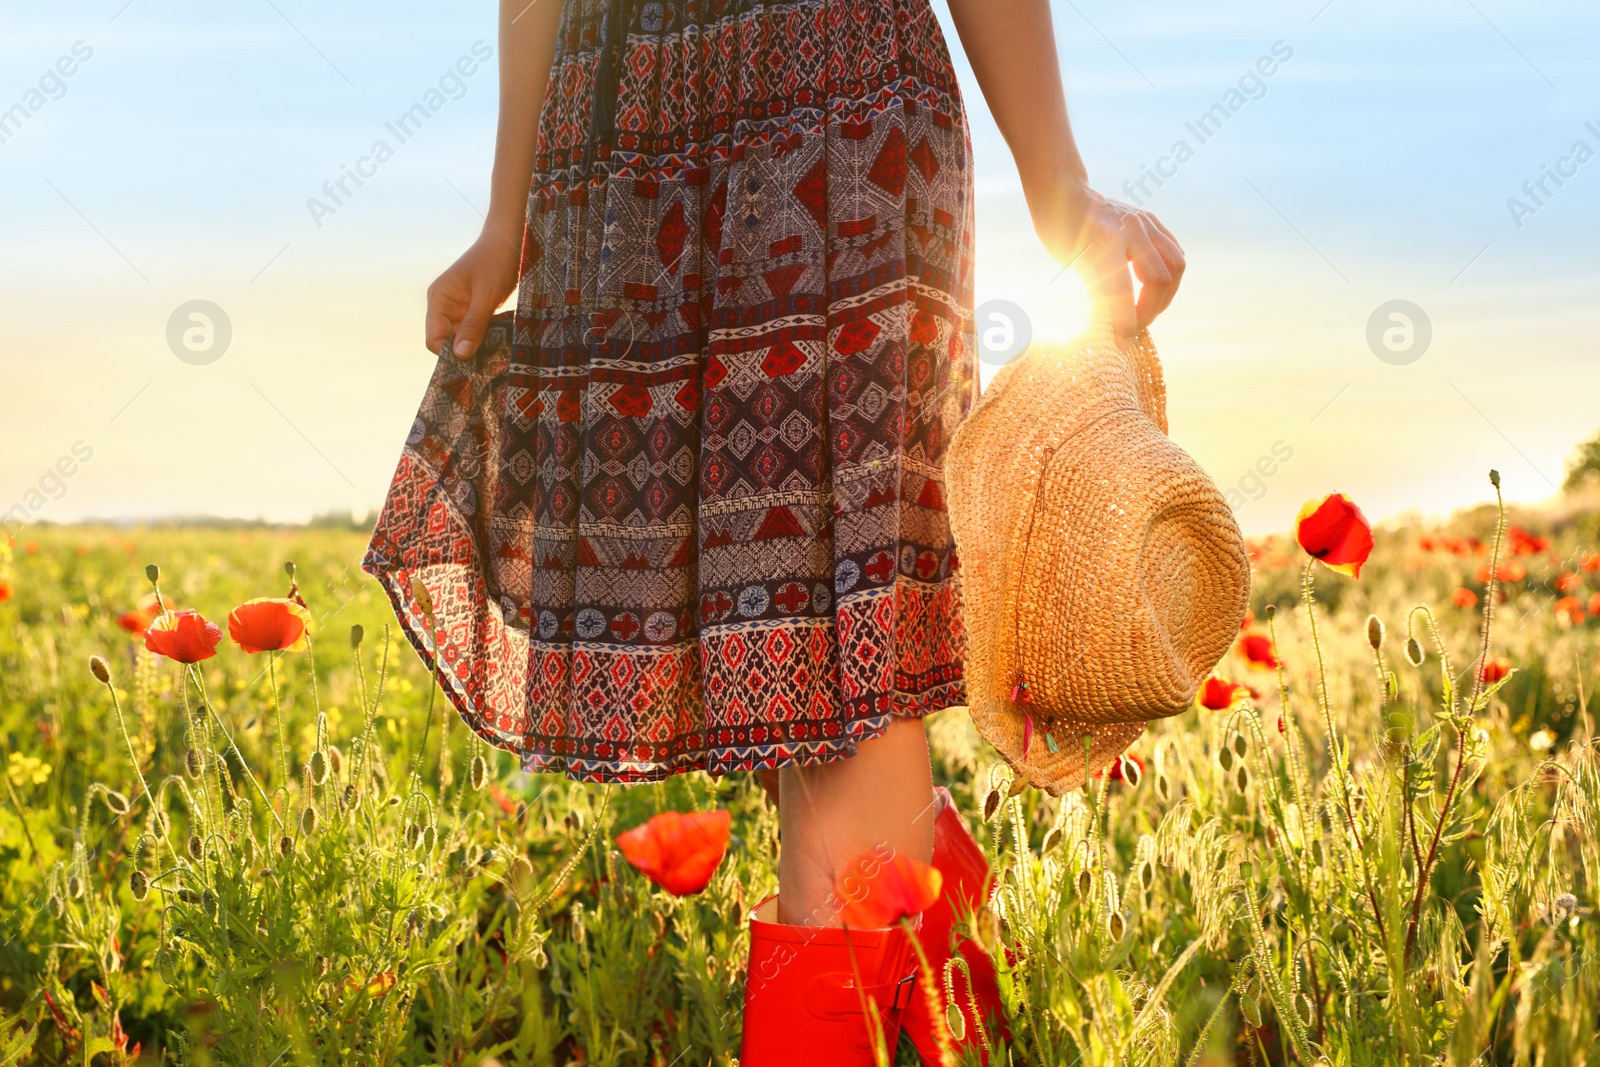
881, 798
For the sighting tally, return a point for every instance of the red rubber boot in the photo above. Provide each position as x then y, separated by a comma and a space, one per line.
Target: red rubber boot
810, 989
967, 886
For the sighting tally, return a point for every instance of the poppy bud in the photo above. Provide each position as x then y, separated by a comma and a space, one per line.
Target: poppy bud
1414, 651
413, 835
1494, 478
197, 847
1117, 926
955, 1021
991, 804
116, 802
308, 821
74, 887
1250, 1009
317, 765
1374, 632
429, 838
152, 572
423, 598
286, 846
479, 777
1085, 882
139, 885
487, 858
1270, 610
288, 568
1225, 758
352, 798
1051, 839
1242, 778
1241, 745
1147, 875
1131, 772
357, 632
192, 764
100, 669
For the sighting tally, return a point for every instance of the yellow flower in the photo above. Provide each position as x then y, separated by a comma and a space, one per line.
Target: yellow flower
28, 770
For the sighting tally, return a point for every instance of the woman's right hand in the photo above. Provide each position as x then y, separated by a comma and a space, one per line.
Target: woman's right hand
463, 299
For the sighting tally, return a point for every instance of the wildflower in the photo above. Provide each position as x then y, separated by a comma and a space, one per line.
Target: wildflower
1569, 609
1510, 571
27, 770
1334, 531
1524, 543
6, 590
1590, 561
1257, 649
1464, 598
1567, 582
1217, 695
1594, 604
1494, 669
898, 889
678, 851
137, 621
185, 636
269, 624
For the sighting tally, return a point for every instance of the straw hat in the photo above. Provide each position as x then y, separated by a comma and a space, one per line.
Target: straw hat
1103, 575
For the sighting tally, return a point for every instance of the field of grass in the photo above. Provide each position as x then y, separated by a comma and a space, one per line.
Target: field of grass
1386, 853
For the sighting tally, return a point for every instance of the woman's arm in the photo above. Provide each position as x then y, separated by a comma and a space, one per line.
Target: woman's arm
463, 298
1012, 48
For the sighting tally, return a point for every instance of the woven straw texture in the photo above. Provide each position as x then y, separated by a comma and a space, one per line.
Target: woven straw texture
1100, 565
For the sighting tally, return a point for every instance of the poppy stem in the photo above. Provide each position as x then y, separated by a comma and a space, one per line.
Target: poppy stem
930, 993
277, 720
205, 699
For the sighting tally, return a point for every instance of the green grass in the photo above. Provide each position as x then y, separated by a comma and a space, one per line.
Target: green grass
1254, 897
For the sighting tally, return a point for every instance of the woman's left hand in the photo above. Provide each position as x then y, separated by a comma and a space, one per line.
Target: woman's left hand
1101, 238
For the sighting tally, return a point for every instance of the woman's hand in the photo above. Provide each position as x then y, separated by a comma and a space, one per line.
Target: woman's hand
463, 299
1101, 238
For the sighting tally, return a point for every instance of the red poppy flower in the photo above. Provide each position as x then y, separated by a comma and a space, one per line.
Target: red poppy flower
1334, 531
5, 590
1426, 543
269, 624
678, 851
1464, 598
1513, 570
136, 622
1570, 609
1524, 543
1493, 669
1217, 695
1594, 604
1567, 581
1257, 648
1590, 561
184, 636
897, 889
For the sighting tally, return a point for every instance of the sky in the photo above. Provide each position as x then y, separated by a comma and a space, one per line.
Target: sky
1377, 162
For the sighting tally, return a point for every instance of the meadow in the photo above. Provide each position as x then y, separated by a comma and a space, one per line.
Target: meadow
1379, 846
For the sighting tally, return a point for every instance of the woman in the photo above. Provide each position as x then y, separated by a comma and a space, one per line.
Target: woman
743, 338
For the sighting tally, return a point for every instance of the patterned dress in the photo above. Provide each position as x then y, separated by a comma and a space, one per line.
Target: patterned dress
686, 509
